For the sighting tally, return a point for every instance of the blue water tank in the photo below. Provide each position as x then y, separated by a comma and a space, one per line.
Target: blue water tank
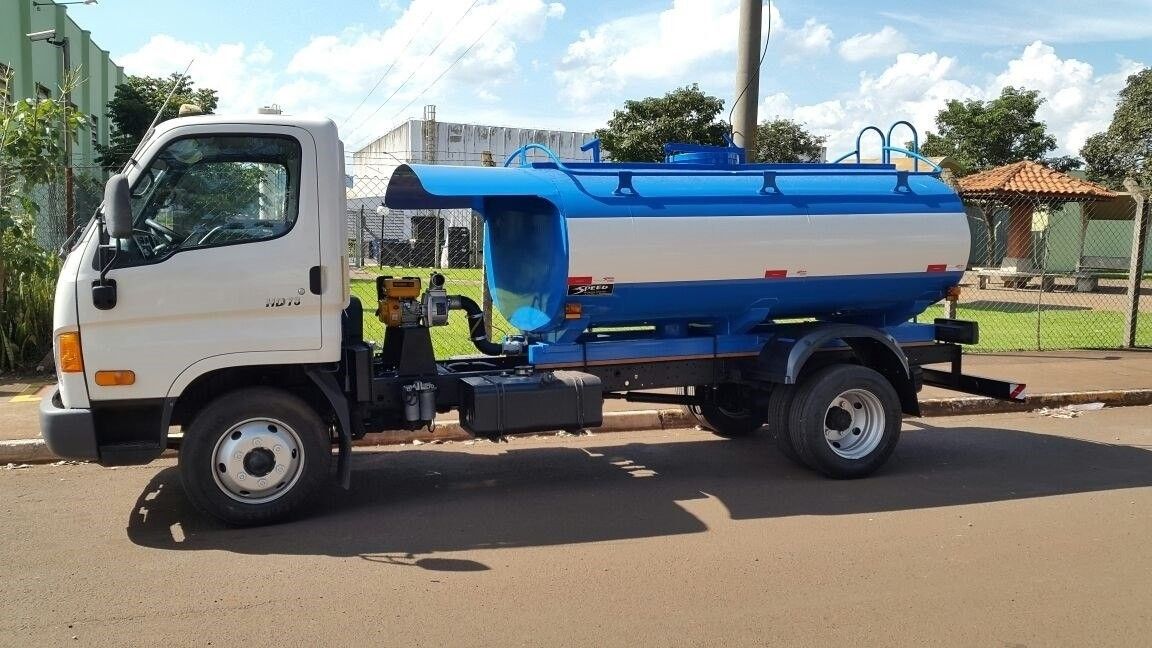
569, 247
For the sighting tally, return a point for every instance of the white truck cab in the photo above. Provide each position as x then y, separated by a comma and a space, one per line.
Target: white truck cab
236, 258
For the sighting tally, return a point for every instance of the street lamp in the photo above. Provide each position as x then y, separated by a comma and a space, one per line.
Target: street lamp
49, 3
49, 36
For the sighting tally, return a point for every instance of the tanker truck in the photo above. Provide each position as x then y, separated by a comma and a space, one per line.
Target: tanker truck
782, 296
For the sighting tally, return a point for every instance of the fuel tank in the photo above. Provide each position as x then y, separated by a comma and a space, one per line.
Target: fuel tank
686, 245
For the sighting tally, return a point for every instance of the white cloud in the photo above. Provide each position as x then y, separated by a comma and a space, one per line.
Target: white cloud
239, 73
678, 45
812, 38
505, 77
909, 76
774, 105
884, 43
1079, 103
332, 73
423, 42
1038, 68
661, 46
825, 115
1079, 100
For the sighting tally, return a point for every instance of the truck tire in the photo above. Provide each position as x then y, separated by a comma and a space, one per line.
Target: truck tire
255, 456
779, 410
845, 421
730, 421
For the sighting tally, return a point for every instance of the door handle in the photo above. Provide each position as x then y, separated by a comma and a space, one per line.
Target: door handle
314, 277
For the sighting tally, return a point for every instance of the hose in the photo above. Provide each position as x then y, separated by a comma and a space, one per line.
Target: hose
475, 325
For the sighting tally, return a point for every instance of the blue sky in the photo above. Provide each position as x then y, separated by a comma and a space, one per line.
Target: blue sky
835, 65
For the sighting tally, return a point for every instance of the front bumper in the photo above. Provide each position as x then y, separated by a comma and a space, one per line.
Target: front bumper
69, 433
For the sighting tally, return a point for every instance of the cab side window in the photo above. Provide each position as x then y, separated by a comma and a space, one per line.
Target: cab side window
211, 191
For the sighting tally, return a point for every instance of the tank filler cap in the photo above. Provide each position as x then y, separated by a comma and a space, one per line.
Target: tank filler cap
719, 156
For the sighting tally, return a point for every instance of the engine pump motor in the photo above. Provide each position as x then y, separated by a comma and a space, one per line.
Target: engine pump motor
401, 304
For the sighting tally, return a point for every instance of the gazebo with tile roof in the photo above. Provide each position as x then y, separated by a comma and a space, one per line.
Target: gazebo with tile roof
1022, 186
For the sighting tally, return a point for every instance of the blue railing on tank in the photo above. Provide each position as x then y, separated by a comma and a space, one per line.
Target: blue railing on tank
769, 176
886, 148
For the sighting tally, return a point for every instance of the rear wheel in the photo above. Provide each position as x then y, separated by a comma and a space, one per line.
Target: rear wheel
255, 456
729, 410
779, 423
845, 421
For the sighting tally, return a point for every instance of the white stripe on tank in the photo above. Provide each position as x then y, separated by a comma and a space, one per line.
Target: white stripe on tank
685, 248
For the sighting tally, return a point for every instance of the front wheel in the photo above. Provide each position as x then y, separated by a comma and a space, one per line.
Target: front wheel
845, 421
255, 456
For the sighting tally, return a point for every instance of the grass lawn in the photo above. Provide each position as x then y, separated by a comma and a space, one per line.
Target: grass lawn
1004, 330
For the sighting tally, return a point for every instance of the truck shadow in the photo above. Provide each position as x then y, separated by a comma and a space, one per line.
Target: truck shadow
406, 505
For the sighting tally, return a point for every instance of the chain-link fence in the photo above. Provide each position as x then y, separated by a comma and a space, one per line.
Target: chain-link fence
416, 243
1053, 274
52, 221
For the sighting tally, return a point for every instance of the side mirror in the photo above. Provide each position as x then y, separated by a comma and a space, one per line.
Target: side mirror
117, 207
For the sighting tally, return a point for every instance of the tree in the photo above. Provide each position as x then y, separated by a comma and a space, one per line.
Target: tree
1063, 163
31, 155
783, 140
1125, 149
980, 135
133, 106
639, 131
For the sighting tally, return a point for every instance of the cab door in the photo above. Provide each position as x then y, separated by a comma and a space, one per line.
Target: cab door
223, 260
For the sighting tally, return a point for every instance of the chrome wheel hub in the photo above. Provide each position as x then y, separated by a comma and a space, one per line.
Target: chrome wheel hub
854, 423
257, 460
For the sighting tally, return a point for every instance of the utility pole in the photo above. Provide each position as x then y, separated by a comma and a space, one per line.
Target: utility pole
747, 75
69, 196
1135, 259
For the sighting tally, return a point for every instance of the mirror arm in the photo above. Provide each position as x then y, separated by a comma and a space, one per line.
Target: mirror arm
104, 289
108, 266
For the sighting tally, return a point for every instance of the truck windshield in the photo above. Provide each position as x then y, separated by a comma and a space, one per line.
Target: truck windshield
205, 191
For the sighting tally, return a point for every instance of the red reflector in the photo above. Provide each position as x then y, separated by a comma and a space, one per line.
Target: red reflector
1016, 391
579, 281
938, 267
775, 274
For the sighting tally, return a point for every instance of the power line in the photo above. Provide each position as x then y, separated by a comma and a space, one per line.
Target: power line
415, 33
447, 69
416, 69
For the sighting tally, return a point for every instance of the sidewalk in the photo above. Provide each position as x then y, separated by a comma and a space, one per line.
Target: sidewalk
1064, 376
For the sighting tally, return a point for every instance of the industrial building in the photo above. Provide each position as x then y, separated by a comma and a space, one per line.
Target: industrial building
413, 238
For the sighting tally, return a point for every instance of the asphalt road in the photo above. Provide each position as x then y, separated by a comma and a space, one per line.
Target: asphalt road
1008, 530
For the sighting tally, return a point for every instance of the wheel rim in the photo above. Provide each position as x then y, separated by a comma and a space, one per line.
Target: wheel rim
257, 460
854, 423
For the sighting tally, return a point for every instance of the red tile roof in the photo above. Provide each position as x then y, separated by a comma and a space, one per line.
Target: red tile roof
1031, 178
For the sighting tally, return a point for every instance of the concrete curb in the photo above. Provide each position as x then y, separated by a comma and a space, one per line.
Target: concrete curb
25, 451
34, 450
982, 405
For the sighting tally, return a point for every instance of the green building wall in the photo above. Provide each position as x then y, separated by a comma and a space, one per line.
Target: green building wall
1102, 238
39, 64
1059, 243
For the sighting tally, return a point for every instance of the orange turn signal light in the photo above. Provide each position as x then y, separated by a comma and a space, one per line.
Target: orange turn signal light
953, 294
70, 359
573, 310
115, 378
